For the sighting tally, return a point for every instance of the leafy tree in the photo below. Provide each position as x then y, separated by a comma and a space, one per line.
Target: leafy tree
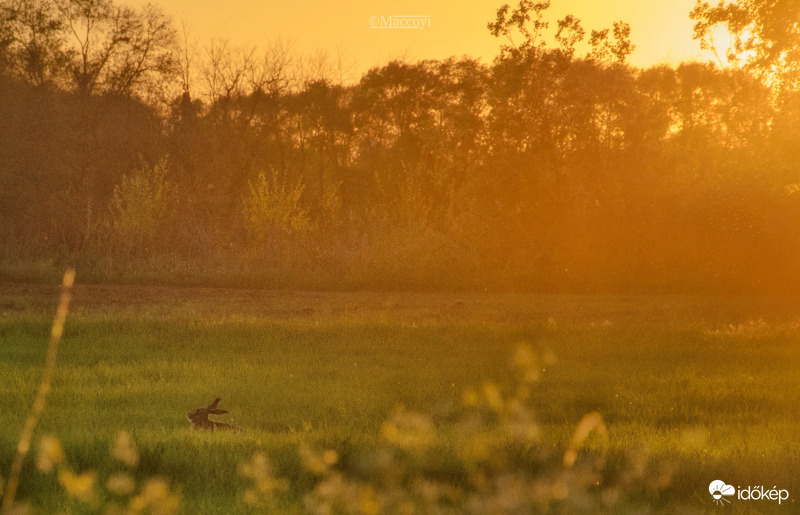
569, 33
32, 40
764, 37
527, 19
616, 47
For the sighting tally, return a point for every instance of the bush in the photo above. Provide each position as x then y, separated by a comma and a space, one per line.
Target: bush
273, 211
139, 207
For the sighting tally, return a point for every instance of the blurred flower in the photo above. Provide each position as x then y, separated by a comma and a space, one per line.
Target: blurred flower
155, 497
527, 363
470, 398
50, 454
80, 486
491, 393
409, 430
124, 450
265, 484
316, 462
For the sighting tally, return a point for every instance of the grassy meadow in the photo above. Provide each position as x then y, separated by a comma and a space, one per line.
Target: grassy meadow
380, 402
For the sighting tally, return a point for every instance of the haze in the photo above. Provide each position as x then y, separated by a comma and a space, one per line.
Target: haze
661, 30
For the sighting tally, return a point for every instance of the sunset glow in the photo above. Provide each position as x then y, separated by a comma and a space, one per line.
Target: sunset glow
461, 256
660, 29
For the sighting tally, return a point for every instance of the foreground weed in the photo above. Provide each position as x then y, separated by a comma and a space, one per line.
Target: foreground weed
153, 496
10, 492
265, 485
487, 456
119, 494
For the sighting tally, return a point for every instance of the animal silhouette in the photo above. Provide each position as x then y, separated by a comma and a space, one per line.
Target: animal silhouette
198, 418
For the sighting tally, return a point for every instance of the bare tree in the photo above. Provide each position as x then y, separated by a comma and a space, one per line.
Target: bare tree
237, 80
187, 57
149, 54
321, 66
225, 70
273, 73
118, 50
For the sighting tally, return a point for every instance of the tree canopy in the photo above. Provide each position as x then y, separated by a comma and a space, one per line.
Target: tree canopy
556, 167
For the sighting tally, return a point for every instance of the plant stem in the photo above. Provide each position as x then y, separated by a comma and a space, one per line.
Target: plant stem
44, 388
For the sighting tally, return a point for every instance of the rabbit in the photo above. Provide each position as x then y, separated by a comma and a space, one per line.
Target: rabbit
198, 418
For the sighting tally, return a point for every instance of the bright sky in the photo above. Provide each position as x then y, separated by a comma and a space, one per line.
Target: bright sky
660, 29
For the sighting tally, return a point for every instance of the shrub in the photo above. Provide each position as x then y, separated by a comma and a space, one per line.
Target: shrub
273, 211
139, 207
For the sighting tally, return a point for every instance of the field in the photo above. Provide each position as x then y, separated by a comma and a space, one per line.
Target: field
330, 387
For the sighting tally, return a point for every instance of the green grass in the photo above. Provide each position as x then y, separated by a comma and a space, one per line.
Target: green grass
696, 388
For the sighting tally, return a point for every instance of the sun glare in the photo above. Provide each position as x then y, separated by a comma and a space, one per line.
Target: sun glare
660, 29
456, 256
727, 50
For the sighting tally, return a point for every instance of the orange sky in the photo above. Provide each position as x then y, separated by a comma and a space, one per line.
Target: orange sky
661, 29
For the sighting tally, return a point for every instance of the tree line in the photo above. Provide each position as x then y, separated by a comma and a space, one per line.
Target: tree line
131, 151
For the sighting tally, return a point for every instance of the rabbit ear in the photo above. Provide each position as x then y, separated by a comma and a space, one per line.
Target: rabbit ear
214, 404
217, 411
